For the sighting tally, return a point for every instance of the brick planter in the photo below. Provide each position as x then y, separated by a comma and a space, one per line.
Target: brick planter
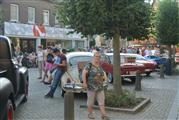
136, 109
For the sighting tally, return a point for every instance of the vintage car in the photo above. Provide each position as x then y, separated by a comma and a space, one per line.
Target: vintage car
13, 80
177, 57
72, 78
157, 59
150, 65
128, 69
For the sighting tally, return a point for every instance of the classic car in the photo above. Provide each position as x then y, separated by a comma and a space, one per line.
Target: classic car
177, 57
150, 65
13, 80
72, 78
157, 59
128, 69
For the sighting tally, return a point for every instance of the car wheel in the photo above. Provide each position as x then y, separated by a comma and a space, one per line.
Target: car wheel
133, 79
9, 111
62, 92
148, 74
110, 78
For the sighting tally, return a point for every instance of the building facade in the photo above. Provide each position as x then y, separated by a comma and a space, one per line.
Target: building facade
30, 23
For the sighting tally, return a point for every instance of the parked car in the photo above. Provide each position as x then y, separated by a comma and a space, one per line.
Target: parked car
157, 59
128, 70
150, 65
73, 76
13, 80
177, 57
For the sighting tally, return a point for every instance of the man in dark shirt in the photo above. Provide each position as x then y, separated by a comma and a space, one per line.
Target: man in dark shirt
61, 68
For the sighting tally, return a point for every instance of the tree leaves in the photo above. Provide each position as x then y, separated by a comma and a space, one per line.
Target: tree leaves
168, 23
125, 17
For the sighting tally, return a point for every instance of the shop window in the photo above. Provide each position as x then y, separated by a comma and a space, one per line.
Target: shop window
56, 19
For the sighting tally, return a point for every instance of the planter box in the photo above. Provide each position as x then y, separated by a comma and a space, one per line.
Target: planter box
136, 109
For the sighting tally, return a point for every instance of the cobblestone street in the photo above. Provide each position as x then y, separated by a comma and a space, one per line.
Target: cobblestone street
162, 92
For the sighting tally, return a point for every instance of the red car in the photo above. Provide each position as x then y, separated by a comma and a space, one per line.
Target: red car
128, 70
150, 65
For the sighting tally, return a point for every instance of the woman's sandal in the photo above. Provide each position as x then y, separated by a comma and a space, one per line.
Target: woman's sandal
105, 117
91, 116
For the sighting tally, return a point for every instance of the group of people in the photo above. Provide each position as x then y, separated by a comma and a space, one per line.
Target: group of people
93, 76
53, 64
144, 51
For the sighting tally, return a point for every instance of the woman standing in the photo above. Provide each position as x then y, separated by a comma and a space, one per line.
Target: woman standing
93, 78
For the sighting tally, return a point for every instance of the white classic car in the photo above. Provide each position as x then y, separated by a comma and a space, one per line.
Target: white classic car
71, 79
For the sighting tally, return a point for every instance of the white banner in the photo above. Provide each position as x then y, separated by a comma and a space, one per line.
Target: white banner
36, 31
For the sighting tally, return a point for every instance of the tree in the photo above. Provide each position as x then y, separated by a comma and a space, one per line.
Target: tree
114, 18
168, 24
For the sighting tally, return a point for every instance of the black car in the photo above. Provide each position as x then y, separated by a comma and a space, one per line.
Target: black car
13, 80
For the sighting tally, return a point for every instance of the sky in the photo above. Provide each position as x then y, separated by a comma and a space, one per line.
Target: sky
149, 1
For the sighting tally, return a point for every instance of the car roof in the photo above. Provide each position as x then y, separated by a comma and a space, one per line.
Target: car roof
128, 54
109, 54
72, 54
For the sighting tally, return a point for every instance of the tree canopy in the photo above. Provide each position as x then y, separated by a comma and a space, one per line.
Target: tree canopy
113, 18
168, 22
125, 17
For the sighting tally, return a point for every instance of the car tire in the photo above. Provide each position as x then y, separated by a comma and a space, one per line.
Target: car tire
133, 79
148, 74
9, 115
110, 78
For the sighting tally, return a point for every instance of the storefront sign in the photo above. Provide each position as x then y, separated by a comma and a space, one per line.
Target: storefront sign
35, 31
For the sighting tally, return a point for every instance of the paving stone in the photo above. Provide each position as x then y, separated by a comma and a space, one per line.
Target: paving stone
162, 93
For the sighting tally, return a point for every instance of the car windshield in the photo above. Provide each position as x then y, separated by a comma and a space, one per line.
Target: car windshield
74, 60
122, 58
153, 57
111, 58
139, 57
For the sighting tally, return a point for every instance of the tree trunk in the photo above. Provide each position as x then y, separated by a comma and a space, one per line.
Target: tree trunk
89, 38
170, 51
116, 66
171, 57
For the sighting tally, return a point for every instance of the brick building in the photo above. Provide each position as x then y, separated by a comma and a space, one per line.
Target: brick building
30, 23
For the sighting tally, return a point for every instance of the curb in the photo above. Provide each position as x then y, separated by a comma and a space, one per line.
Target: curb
126, 110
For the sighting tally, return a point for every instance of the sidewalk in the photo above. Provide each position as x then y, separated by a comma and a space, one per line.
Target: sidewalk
164, 100
164, 95
174, 113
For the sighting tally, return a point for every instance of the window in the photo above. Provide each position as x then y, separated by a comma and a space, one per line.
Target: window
14, 9
74, 60
4, 49
46, 17
56, 19
31, 15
